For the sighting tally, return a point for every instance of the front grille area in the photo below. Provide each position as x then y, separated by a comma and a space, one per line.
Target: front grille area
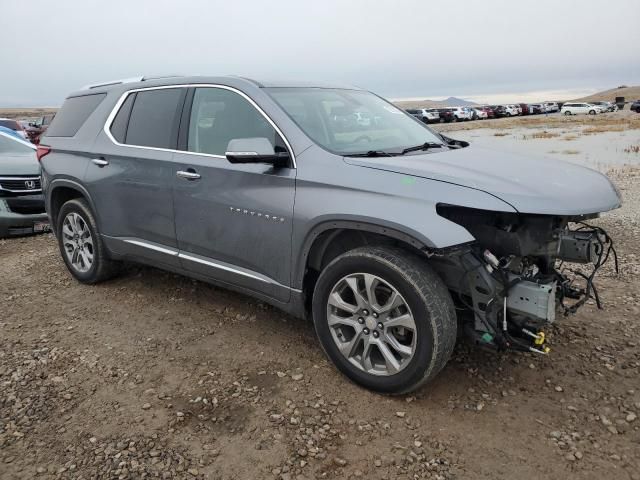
20, 184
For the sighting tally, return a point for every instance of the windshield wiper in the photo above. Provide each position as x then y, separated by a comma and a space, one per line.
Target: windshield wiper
372, 153
424, 146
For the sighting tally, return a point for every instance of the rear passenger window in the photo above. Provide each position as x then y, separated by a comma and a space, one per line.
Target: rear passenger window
219, 115
72, 115
152, 122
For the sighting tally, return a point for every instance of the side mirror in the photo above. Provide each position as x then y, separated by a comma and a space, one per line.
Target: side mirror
255, 150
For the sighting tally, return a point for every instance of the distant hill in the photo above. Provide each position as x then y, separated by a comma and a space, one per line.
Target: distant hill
458, 102
629, 94
426, 103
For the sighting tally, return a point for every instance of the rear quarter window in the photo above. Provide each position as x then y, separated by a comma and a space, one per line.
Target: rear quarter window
73, 113
121, 120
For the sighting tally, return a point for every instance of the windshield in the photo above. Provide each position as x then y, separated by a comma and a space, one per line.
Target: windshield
352, 121
9, 145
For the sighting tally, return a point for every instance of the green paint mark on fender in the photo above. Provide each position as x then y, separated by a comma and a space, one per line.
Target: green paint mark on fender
408, 180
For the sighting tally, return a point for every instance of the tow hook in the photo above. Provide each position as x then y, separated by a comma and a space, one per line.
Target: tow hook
538, 341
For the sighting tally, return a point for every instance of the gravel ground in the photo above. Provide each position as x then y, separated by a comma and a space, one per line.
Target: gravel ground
156, 375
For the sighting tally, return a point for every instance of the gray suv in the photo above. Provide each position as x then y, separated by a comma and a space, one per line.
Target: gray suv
331, 204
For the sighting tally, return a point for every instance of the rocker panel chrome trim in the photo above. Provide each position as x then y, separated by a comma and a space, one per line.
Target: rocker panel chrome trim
202, 260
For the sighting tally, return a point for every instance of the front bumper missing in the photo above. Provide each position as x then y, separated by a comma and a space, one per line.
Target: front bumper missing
509, 310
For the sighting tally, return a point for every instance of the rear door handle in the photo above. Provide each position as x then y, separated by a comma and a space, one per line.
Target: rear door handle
101, 162
190, 174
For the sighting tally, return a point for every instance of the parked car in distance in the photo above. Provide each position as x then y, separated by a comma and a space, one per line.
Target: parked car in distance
21, 202
551, 107
427, 115
536, 108
40, 126
200, 175
635, 106
499, 111
606, 106
435, 112
511, 110
479, 114
524, 109
13, 125
571, 108
489, 111
462, 113
446, 115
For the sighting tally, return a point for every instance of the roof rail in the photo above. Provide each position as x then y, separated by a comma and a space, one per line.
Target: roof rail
127, 80
112, 82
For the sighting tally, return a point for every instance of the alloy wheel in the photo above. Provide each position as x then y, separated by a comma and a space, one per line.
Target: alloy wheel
77, 242
371, 324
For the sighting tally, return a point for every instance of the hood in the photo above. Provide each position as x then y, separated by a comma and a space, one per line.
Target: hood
529, 184
19, 164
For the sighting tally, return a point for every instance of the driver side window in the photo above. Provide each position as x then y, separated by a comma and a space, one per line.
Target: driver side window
219, 115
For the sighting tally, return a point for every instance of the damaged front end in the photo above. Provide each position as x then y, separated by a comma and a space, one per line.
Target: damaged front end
510, 283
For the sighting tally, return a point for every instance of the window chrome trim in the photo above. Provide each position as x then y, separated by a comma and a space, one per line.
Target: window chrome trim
123, 97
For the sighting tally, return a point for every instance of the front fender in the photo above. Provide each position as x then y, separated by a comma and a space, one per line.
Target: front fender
330, 194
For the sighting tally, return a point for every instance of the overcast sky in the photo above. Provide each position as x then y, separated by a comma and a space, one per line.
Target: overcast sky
397, 48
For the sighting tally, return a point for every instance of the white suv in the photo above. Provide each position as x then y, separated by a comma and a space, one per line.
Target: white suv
427, 115
551, 107
511, 110
578, 108
462, 113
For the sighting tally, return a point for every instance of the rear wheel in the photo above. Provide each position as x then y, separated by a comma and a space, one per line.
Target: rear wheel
384, 318
80, 244
567, 112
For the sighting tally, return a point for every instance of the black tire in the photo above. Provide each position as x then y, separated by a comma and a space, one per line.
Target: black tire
102, 267
567, 113
425, 294
592, 112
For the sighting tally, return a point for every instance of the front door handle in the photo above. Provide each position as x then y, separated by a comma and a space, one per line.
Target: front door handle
101, 162
190, 174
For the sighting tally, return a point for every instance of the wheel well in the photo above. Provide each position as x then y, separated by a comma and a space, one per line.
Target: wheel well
59, 196
334, 242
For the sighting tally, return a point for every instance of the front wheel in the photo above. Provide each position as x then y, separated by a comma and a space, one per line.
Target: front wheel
592, 112
567, 113
384, 318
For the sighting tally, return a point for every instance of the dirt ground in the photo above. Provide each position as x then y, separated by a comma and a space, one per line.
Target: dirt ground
156, 375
